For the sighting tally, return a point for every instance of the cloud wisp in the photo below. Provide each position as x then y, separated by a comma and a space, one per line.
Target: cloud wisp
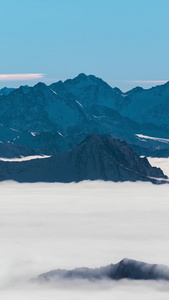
142, 81
25, 76
147, 81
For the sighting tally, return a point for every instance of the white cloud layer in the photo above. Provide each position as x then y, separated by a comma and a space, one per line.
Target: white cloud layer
13, 77
92, 224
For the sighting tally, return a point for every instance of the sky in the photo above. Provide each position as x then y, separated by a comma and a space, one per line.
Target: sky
124, 42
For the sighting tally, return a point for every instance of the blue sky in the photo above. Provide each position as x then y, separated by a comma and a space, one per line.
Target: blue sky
125, 42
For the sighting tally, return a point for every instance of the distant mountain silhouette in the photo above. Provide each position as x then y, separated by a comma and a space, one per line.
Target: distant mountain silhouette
125, 269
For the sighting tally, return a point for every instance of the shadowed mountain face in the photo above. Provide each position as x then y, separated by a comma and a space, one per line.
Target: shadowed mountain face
10, 150
96, 158
125, 269
55, 118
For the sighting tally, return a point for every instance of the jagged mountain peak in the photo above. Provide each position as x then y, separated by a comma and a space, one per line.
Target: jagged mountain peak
88, 90
24, 89
81, 76
83, 79
79, 79
93, 139
118, 91
135, 90
96, 140
111, 159
40, 86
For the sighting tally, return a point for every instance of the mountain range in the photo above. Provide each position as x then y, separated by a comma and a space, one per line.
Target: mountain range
82, 124
55, 118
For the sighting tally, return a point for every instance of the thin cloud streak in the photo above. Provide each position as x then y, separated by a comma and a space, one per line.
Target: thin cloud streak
148, 81
143, 81
13, 77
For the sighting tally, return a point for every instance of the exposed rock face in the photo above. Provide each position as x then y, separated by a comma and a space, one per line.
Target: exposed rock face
96, 158
127, 268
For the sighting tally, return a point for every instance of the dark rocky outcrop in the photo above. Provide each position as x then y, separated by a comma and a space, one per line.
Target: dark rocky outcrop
98, 157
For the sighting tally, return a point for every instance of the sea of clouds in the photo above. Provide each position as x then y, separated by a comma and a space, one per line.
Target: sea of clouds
89, 224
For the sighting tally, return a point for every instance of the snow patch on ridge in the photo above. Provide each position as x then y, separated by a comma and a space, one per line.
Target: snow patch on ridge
144, 137
99, 117
16, 138
53, 92
59, 133
79, 103
20, 159
33, 133
13, 129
